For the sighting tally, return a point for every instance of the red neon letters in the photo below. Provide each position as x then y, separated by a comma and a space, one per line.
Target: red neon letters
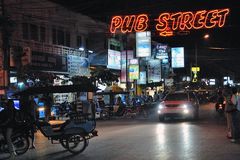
167, 23
130, 23
189, 20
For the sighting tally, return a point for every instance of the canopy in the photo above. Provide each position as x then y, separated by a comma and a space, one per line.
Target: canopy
111, 93
57, 89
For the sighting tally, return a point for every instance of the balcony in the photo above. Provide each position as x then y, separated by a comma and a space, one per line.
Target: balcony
49, 48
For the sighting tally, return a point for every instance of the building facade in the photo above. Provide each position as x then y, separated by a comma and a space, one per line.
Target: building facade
46, 34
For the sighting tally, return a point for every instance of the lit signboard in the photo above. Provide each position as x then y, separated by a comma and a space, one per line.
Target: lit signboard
143, 44
195, 71
167, 23
133, 72
78, 65
114, 59
160, 51
177, 57
212, 82
142, 77
123, 64
154, 70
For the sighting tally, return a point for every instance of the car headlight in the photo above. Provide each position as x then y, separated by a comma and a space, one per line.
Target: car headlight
160, 106
184, 106
185, 111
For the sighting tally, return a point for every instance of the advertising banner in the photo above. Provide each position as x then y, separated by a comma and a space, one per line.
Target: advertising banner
160, 51
143, 44
177, 57
133, 71
114, 59
78, 65
123, 64
154, 70
142, 77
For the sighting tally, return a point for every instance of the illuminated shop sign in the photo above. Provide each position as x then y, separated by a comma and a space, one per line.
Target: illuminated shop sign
133, 72
142, 77
177, 57
154, 70
167, 23
123, 64
114, 59
143, 44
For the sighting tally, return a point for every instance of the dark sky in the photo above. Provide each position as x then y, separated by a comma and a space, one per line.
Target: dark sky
219, 55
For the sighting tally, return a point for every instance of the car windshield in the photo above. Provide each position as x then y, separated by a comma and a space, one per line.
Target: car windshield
177, 97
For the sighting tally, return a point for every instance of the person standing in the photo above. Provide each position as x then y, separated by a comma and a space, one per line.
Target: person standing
234, 116
227, 95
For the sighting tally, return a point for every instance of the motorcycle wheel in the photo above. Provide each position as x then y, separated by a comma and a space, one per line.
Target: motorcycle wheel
63, 142
21, 144
76, 144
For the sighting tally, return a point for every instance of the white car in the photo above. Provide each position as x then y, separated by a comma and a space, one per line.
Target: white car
179, 104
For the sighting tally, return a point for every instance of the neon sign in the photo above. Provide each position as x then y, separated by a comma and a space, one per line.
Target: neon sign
138, 23
167, 23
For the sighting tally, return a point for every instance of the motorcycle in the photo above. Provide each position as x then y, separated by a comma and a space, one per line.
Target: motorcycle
220, 106
20, 140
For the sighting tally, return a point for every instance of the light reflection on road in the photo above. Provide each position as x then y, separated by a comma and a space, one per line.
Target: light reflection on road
160, 131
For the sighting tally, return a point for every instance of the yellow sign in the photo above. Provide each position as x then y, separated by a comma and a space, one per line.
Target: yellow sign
195, 69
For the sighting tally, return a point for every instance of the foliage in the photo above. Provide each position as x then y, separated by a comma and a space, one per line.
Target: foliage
104, 76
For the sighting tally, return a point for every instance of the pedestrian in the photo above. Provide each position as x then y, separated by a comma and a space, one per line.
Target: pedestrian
33, 118
28, 109
7, 125
155, 97
121, 107
234, 113
227, 96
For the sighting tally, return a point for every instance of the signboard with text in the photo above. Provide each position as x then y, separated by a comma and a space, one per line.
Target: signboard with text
154, 70
78, 65
167, 23
114, 59
143, 44
123, 64
48, 62
177, 57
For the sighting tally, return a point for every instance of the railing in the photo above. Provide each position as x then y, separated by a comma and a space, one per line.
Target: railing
48, 48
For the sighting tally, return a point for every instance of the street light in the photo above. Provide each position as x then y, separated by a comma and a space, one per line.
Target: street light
205, 37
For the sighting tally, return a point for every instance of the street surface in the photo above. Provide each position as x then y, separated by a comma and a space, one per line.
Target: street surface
149, 139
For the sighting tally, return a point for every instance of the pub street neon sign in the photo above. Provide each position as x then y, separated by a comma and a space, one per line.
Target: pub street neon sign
167, 23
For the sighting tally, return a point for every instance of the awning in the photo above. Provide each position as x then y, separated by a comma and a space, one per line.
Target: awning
57, 89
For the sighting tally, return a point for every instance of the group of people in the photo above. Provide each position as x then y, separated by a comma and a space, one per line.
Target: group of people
10, 117
232, 110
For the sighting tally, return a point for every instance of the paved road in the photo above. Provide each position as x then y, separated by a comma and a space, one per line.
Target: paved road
148, 139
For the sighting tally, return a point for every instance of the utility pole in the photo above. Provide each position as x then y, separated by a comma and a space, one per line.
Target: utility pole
5, 46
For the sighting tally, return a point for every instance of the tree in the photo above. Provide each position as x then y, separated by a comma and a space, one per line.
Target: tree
104, 76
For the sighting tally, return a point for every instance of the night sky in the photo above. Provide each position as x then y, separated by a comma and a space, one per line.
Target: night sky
217, 56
